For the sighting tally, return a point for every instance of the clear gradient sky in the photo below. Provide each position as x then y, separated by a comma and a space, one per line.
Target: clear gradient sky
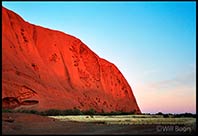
152, 43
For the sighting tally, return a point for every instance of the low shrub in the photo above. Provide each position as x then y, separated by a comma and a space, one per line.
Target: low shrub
6, 110
75, 111
89, 112
72, 112
27, 111
51, 112
166, 116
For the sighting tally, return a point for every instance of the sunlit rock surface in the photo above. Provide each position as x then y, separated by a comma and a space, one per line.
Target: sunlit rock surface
47, 69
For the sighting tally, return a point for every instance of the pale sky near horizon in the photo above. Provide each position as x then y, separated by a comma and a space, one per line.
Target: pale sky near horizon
152, 43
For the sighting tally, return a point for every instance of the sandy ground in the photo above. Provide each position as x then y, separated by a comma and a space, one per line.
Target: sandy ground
24, 124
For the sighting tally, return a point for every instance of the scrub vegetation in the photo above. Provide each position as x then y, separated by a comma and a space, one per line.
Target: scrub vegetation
75, 111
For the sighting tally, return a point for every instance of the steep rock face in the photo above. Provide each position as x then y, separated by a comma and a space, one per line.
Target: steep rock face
47, 69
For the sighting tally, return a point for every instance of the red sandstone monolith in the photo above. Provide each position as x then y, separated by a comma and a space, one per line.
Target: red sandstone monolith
47, 69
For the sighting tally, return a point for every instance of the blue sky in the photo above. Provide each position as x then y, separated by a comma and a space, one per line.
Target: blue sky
152, 43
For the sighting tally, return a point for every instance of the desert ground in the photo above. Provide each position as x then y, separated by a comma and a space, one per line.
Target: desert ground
24, 124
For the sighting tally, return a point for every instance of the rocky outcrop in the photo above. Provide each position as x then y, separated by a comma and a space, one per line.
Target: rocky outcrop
47, 69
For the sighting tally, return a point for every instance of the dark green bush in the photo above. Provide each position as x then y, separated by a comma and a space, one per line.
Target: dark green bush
52, 112
34, 112
77, 112
89, 112
72, 112
27, 111
7, 110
